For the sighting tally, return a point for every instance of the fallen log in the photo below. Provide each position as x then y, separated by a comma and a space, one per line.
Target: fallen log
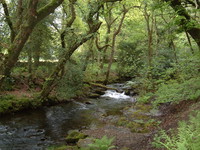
102, 86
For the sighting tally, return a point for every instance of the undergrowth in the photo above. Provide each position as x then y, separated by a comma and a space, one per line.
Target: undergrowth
174, 92
186, 138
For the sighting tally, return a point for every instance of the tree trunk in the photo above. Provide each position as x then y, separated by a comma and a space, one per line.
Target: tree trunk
174, 49
189, 41
31, 18
113, 45
105, 49
36, 57
48, 85
30, 65
150, 35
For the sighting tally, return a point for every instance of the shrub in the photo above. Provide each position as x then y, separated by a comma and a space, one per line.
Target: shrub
175, 92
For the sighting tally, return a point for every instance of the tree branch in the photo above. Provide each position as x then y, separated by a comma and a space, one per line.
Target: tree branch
47, 9
100, 47
8, 20
69, 22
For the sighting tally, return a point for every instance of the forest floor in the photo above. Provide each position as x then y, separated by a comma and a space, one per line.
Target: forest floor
127, 140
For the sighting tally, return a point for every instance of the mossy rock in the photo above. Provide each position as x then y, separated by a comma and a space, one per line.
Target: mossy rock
74, 136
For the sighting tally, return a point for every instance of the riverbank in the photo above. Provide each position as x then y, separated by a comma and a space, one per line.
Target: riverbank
168, 118
22, 96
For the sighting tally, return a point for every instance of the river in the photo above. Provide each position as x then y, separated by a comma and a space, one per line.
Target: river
39, 129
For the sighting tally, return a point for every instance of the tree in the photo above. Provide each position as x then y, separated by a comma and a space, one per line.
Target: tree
186, 21
22, 28
93, 26
113, 46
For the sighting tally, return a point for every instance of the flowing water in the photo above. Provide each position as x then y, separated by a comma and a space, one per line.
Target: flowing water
39, 129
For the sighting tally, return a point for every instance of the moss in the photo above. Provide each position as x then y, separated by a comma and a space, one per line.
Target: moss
74, 136
10, 104
143, 107
122, 121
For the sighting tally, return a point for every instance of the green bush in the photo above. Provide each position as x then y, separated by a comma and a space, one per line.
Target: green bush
175, 92
187, 137
129, 59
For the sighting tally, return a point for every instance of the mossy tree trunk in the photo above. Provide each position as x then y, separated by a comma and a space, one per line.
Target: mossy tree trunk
49, 84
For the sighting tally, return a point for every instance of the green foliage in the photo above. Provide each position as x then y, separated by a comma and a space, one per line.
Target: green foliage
42, 71
187, 137
71, 82
179, 81
102, 144
174, 92
129, 59
17, 71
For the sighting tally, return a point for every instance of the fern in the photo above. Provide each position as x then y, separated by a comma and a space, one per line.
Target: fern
187, 137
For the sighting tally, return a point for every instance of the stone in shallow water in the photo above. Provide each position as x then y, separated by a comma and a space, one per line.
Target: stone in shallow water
74, 136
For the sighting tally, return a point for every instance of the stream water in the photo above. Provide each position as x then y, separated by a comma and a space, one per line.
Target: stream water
39, 129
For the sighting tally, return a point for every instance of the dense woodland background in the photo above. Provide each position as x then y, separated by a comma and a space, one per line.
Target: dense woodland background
57, 48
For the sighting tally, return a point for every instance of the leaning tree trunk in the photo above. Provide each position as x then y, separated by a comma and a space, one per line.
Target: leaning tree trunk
48, 85
189, 41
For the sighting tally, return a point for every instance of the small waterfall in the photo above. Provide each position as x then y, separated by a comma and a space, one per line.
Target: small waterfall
115, 95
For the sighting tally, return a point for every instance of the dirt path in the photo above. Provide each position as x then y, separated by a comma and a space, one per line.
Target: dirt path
124, 138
